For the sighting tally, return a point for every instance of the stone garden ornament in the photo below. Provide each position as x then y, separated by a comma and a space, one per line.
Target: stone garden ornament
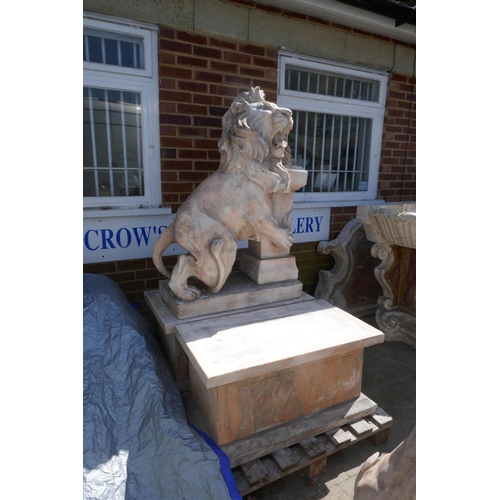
235, 203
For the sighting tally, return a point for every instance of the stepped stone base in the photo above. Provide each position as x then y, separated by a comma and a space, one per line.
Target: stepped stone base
237, 293
263, 271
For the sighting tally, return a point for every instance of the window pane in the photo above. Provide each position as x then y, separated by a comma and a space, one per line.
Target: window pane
112, 143
113, 48
332, 84
334, 149
94, 49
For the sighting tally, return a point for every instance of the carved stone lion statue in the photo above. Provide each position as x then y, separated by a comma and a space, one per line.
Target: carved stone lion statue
235, 202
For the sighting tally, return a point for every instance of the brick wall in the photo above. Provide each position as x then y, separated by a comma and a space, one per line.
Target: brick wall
200, 76
397, 174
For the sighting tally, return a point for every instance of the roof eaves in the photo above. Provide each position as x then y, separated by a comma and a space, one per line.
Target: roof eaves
401, 11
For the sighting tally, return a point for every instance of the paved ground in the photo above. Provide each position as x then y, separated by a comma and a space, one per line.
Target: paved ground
389, 380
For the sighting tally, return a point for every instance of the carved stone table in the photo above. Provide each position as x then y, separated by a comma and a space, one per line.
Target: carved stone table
351, 283
392, 227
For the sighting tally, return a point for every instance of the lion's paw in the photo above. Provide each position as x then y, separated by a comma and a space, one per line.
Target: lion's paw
189, 293
287, 240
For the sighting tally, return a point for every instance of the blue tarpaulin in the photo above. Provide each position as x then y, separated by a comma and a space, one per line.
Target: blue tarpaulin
137, 442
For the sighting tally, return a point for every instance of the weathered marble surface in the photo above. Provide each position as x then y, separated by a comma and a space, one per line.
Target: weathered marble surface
263, 271
249, 197
263, 262
250, 371
390, 476
233, 348
237, 293
168, 320
390, 223
243, 408
264, 442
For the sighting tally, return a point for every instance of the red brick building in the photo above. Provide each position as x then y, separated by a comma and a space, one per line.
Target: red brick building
159, 76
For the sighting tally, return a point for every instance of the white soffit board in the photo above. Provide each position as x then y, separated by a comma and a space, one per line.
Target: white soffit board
349, 16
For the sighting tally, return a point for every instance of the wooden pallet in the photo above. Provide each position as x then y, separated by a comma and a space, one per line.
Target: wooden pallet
311, 453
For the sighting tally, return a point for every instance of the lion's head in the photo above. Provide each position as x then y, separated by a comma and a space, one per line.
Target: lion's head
253, 128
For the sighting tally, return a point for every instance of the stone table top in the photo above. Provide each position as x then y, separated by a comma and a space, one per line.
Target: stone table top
231, 348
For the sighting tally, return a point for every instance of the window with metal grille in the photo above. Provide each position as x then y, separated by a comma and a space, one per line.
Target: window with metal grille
334, 149
338, 117
113, 48
330, 84
120, 116
112, 143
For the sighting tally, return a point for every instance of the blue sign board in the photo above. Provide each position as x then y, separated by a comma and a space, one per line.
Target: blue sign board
109, 239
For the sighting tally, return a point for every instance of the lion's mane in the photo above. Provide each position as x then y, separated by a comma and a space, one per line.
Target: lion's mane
239, 136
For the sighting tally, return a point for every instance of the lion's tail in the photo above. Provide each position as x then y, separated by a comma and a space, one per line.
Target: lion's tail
216, 248
162, 243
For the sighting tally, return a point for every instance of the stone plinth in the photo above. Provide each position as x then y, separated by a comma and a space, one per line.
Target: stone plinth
263, 249
238, 292
270, 270
250, 372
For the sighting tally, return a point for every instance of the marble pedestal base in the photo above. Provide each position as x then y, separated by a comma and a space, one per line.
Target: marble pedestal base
168, 321
242, 408
255, 369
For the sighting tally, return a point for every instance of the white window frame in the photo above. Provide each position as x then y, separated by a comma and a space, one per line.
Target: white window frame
144, 81
304, 101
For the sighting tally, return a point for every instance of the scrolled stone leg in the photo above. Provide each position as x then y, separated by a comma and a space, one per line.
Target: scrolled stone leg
385, 253
332, 284
397, 325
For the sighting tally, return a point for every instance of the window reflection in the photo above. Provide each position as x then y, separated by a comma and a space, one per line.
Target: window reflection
333, 148
112, 143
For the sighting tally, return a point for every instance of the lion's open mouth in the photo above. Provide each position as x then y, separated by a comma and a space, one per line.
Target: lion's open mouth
278, 144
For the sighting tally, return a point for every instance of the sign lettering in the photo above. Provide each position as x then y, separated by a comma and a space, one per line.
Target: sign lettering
133, 237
